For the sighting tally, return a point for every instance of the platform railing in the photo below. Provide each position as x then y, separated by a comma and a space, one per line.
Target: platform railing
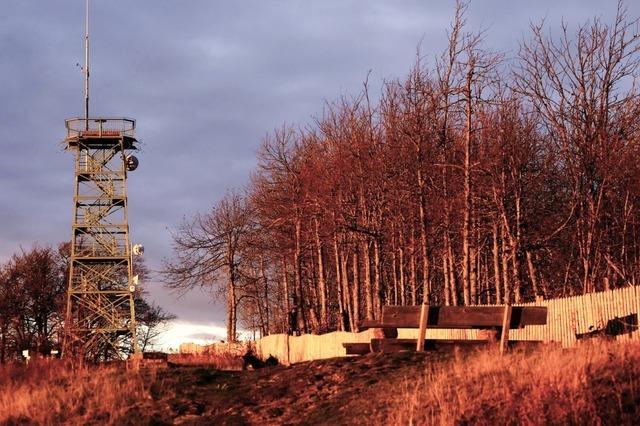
100, 127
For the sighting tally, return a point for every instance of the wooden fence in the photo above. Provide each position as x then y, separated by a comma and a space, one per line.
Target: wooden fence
568, 319
571, 317
291, 349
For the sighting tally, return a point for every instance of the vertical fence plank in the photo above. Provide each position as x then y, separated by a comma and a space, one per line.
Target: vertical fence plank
562, 316
592, 316
565, 322
607, 309
579, 314
554, 324
585, 314
597, 311
602, 305
559, 320
570, 320
627, 300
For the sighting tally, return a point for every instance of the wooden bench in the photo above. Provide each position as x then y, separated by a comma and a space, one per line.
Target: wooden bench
499, 318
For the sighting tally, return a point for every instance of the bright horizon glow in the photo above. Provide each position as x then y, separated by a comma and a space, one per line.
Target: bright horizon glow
177, 332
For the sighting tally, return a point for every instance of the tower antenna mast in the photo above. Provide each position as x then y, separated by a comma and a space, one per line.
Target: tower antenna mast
86, 66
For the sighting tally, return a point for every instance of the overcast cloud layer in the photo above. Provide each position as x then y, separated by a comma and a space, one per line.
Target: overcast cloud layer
206, 81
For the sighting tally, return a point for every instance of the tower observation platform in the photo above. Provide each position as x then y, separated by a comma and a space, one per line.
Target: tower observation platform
101, 131
100, 318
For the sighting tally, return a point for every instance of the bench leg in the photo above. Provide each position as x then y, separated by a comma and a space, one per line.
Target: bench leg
422, 332
506, 324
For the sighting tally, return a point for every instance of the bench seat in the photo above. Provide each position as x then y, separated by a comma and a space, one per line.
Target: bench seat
499, 318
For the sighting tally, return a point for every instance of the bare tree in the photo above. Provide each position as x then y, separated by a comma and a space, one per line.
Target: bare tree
583, 86
466, 183
209, 248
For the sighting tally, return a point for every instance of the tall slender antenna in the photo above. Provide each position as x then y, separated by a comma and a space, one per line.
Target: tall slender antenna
86, 66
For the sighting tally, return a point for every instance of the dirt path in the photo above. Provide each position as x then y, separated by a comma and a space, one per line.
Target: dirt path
336, 391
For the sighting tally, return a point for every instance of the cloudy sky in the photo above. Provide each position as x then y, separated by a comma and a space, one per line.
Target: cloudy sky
205, 80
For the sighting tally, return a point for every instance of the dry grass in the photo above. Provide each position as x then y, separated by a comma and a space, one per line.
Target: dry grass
57, 392
592, 384
52, 392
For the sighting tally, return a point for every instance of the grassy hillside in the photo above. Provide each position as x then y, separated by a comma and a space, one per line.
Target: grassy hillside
55, 393
591, 384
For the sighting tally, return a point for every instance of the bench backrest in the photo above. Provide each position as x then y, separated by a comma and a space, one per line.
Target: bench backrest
463, 316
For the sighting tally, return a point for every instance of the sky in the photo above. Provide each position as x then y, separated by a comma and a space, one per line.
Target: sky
206, 81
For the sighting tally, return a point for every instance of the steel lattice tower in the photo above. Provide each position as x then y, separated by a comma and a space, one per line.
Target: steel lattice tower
100, 318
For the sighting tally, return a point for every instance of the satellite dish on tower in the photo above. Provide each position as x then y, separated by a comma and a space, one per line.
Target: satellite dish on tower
131, 162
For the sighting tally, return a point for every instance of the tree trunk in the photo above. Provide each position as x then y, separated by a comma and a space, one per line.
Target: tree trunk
445, 277
378, 302
231, 312
297, 261
412, 268
466, 221
496, 264
265, 283
341, 308
346, 291
231, 295
356, 290
485, 282
394, 275
287, 295
401, 276
532, 274
474, 257
515, 262
426, 277
517, 282
313, 321
505, 267
452, 273
473, 276
322, 285
368, 290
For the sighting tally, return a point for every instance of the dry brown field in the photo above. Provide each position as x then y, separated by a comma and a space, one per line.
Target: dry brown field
595, 383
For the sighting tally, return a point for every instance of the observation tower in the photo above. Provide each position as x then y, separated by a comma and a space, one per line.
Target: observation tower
100, 320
